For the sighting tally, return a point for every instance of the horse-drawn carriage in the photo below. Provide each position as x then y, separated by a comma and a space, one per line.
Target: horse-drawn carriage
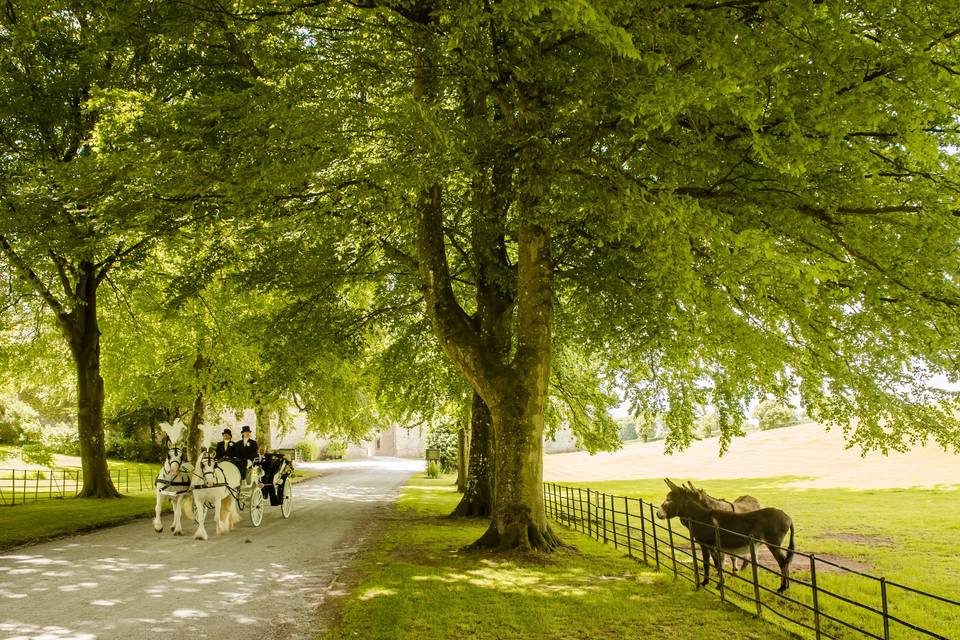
219, 484
275, 481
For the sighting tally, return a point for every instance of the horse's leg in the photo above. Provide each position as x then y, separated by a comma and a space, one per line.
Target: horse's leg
733, 563
201, 533
228, 509
177, 527
188, 506
157, 523
718, 560
217, 506
781, 559
225, 522
706, 565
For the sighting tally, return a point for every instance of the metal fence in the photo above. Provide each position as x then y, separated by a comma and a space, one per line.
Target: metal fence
18, 486
825, 599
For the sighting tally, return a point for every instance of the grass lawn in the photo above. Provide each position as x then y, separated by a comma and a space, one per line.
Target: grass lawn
908, 536
415, 585
36, 521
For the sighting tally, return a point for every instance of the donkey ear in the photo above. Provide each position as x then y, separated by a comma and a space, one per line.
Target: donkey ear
670, 484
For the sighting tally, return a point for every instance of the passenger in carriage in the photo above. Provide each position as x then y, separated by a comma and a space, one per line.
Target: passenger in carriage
225, 449
244, 450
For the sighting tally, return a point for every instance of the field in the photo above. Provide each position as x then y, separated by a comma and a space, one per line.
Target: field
844, 506
416, 584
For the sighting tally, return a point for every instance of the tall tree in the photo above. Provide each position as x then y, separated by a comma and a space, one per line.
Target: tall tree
718, 200
71, 217
86, 188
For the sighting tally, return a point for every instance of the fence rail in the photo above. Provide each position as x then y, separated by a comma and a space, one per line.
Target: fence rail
826, 599
18, 486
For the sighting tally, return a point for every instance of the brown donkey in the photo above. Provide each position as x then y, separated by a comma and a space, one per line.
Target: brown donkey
743, 504
737, 531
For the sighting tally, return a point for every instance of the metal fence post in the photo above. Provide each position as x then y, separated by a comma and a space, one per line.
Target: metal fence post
673, 551
756, 583
613, 521
626, 517
656, 546
886, 618
813, 589
583, 527
696, 565
643, 531
589, 515
718, 560
604, 511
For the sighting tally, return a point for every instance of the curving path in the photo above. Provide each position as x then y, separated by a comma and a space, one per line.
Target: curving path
129, 582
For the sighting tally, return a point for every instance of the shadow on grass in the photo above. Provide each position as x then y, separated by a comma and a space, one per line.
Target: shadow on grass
417, 583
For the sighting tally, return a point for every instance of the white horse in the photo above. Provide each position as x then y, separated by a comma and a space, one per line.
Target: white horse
173, 483
218, 483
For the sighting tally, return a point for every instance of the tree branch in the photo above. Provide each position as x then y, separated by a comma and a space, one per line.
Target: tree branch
31, 278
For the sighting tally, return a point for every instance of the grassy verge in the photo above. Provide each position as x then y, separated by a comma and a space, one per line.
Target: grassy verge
416, 585
46, 519
907, 536
36, 521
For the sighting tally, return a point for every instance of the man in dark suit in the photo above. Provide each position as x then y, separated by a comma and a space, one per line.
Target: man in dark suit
245, 449
225, 448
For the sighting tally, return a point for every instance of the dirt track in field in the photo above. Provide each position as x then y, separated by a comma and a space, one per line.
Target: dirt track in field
252, 583
814, 456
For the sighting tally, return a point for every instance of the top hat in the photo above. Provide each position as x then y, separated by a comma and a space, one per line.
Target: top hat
227, 432
245, 429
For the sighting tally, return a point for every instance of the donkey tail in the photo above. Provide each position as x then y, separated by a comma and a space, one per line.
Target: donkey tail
790, 548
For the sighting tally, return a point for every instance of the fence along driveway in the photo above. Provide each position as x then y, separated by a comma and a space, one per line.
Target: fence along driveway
18, 486
869, 607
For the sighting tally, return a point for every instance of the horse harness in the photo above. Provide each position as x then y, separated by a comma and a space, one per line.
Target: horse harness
235, 493
164, 484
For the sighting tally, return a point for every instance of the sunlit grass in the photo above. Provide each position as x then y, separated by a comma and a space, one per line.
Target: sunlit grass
909, 536
416, 584
50, 518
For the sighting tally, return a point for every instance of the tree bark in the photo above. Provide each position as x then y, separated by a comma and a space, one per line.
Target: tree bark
263, 435
515, 392
194, 433
477, 498
463, 450
82, 330
517, 410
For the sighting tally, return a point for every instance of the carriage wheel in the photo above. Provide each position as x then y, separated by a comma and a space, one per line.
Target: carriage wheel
286, 507
256, 507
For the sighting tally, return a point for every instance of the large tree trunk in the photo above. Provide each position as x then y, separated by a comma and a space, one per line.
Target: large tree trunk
263, 435
477, 498
82, 330
515, 392
463, 451
493, 319
194, 432
518, 405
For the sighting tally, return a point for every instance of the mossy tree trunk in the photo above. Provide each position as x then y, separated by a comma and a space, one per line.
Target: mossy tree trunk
515, 391
477, 498
82, 330
463, 452
263, 435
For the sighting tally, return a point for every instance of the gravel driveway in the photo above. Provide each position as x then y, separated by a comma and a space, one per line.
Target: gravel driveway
129, 582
